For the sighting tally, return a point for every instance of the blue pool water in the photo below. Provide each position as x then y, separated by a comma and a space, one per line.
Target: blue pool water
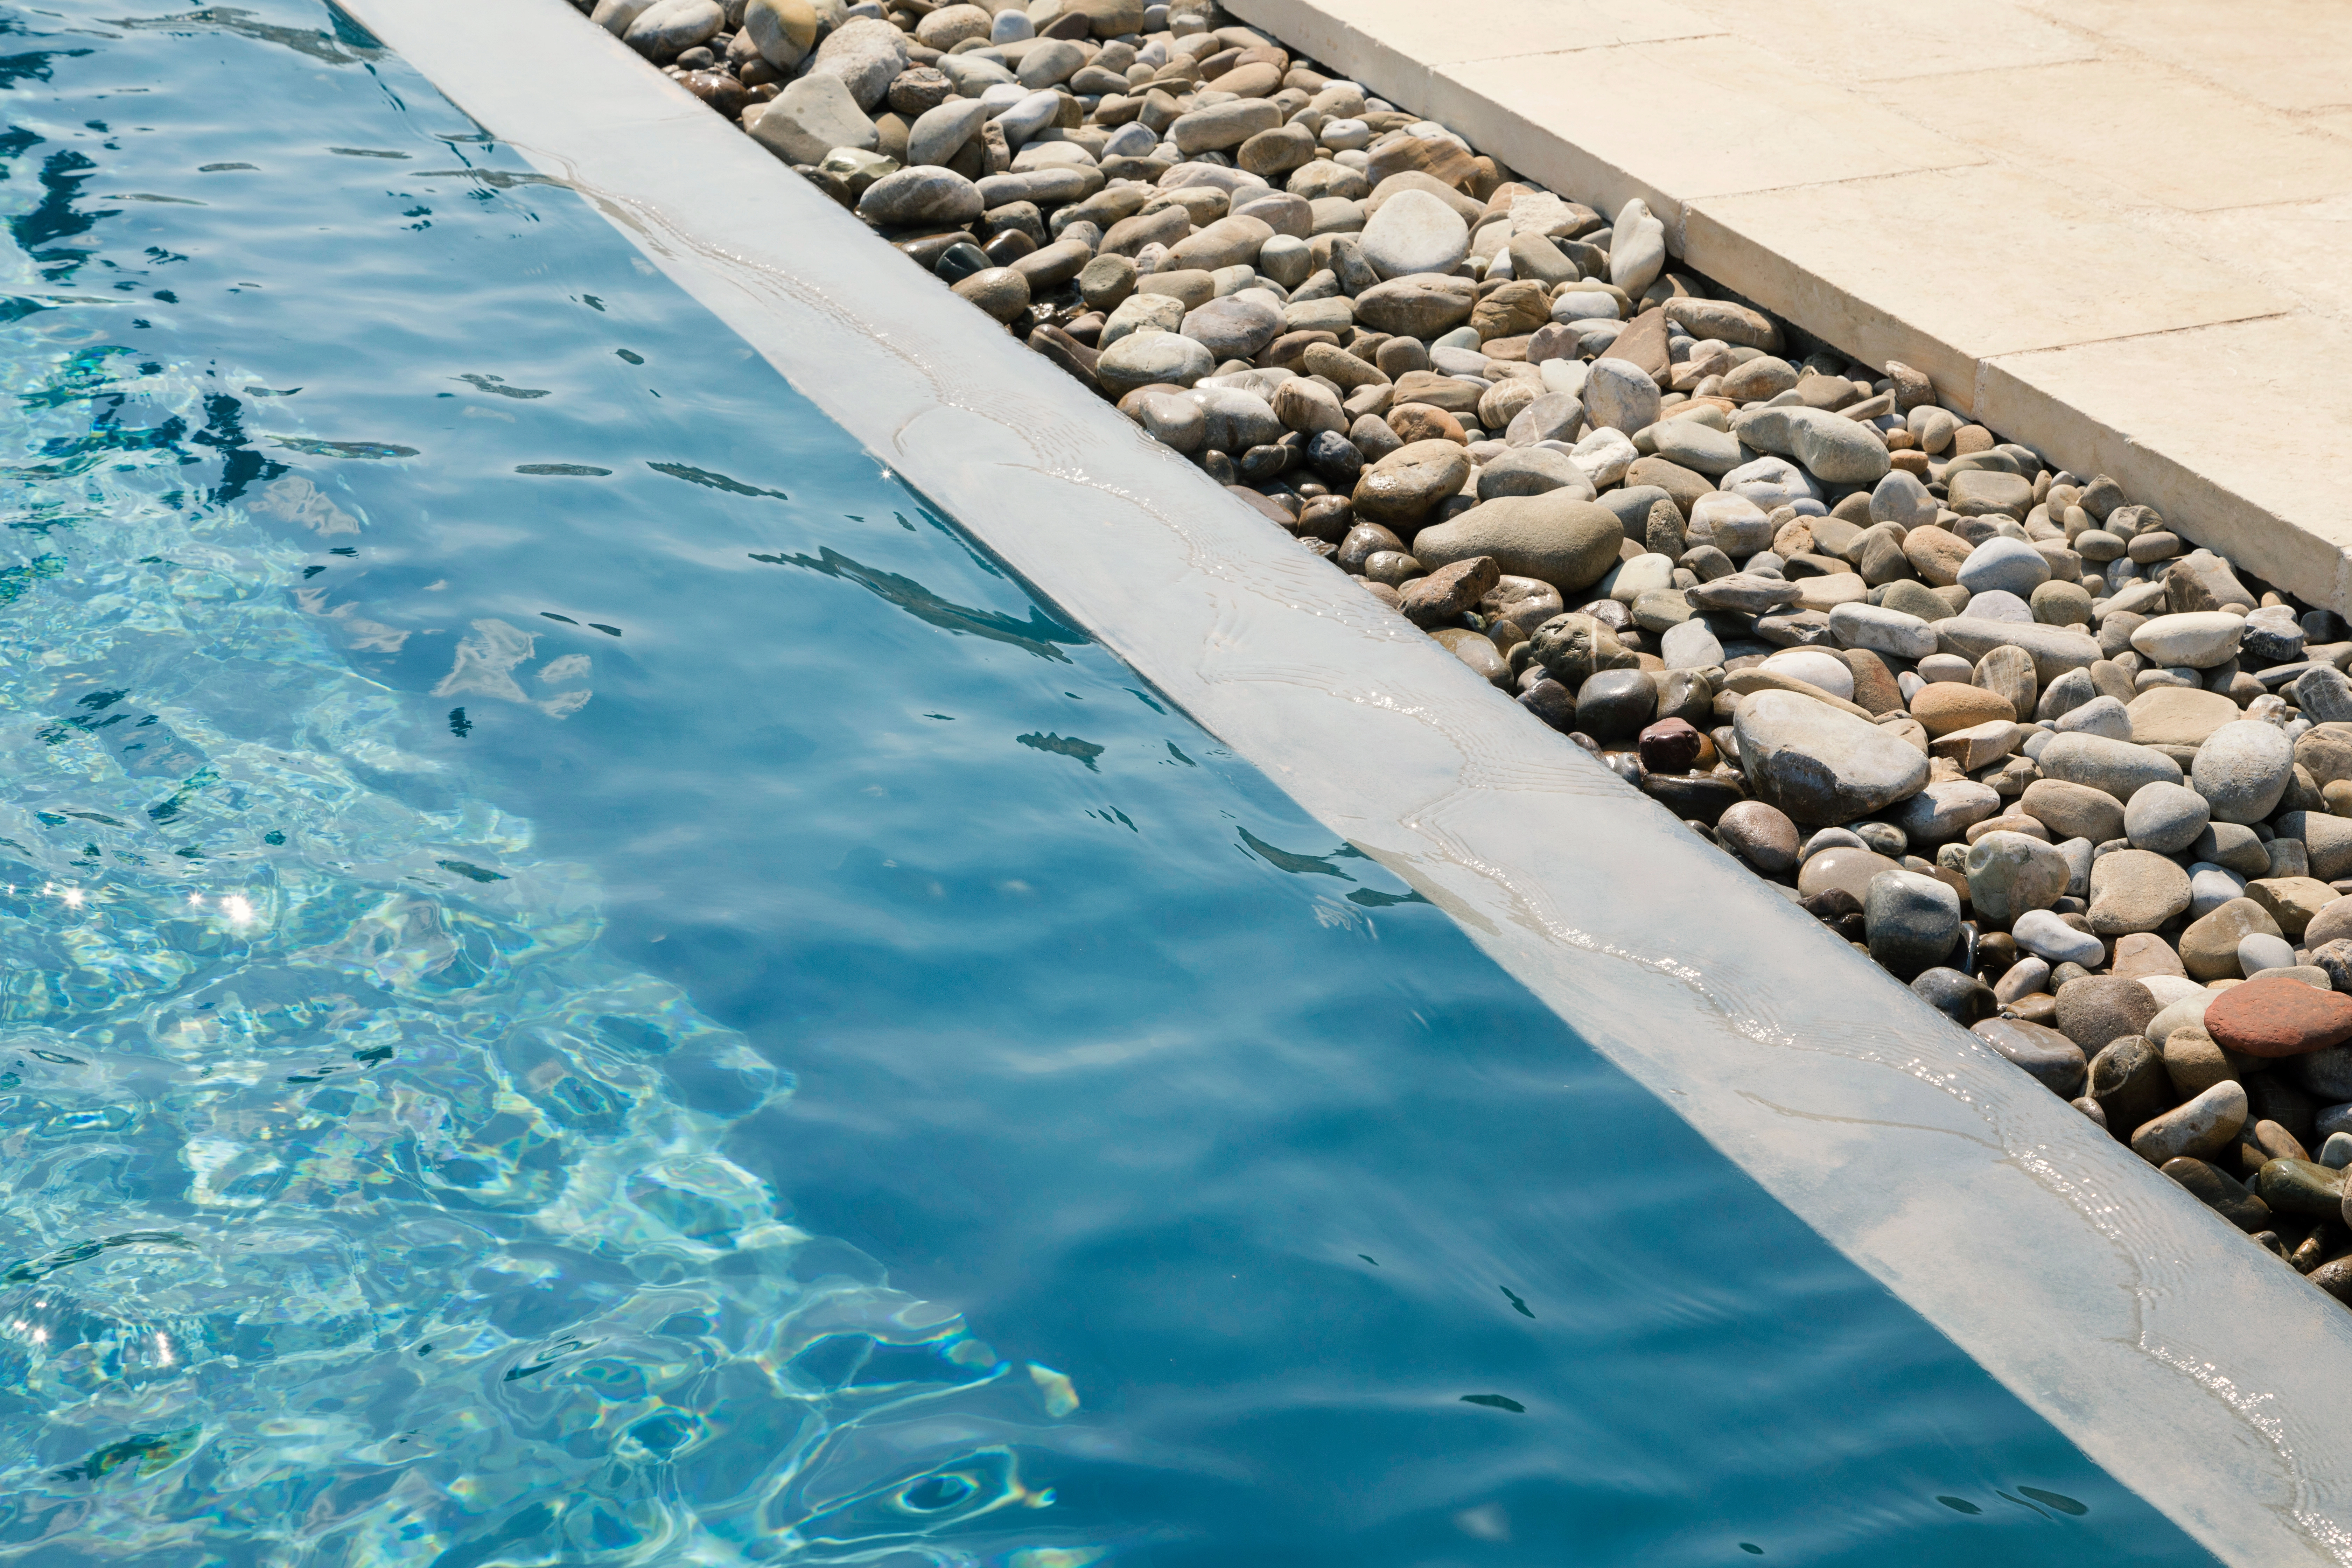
583, 979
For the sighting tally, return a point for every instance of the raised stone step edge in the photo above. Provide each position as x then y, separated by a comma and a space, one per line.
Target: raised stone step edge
2194, 1367
2095, 342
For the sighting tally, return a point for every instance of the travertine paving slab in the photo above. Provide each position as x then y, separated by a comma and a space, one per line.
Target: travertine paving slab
2220, 425
2302, 249
1480, 29
1886, 40
1927, 269
1397, 43
2139, 128
2289, 54
1703, 129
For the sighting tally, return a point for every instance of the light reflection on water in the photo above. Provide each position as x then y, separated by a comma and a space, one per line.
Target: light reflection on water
462, 725
356, 1190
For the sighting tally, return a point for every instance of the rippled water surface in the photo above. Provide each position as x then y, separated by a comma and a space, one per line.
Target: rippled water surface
583, 979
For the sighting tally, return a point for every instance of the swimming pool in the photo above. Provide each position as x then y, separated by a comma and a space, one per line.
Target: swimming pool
640, 999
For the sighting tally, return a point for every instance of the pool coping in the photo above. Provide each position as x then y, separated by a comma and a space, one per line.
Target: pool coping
2104, 1297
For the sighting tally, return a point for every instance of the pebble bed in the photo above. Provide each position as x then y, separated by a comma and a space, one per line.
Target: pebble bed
2085, 788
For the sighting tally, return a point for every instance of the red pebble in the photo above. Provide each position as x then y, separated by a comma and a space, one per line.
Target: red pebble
1669, 746
2275, 1016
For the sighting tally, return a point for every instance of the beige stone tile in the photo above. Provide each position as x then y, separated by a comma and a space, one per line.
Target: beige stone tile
2300, 248
1688, 118
1393, 47
2288, 53
1946, 267
2151, 132
1879, 40
1438, 35
2336, 122
2215, 426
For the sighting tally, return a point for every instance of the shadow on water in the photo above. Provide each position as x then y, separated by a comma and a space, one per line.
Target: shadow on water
528, 1035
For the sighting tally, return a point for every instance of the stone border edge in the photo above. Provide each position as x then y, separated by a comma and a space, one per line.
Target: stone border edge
2107, 1301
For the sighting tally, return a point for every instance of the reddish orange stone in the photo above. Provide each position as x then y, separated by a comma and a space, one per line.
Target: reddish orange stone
2279, 1017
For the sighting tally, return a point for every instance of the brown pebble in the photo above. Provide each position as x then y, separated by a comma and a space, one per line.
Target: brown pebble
1669, 746
1445, 592
1423, 422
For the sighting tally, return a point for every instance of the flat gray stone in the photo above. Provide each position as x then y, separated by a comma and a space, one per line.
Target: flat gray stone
1051, 62
1771, 482
2044, 935
2135, 890
1833, 448
938, 134
1745, 594
1637, 248
2258, 951
1030, 115
1414, 232
1699, 447
1690, 645
1819, 764
666, 28
2004, 564
2055, 1061
2242, 769
1983, 493
928, 196
1222, 126
1234, 326
865, 53
1944, 811
811, 117
2199, 639
972, 74
1423, 306
1234, 419
1900, 498
2117, 767
2010, 873
2167, 818
2103, 716
1532, 470
1553, 417
2054, 649
1881, 630
1557, 538
1620, 395
1228, 242
1140, 358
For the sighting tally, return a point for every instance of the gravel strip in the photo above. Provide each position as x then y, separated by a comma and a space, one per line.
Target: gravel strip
2087, 789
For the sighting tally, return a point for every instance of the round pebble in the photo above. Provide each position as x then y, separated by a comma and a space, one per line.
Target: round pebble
2166, 818
1760, 835
2258, 951
2044, 935
1815, 667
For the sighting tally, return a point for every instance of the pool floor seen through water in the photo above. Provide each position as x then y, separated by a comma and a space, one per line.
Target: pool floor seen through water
586, 979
